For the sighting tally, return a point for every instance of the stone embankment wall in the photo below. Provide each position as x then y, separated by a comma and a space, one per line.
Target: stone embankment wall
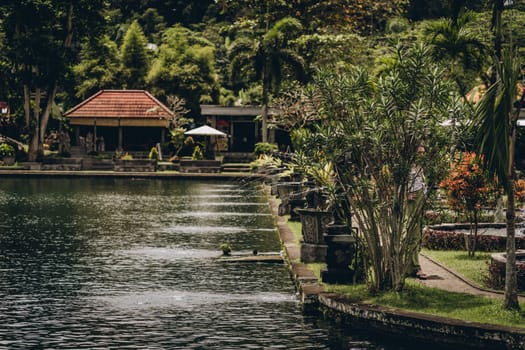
418, 327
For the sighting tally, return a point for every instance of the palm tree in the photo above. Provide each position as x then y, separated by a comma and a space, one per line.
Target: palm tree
496, 138
495, 25
269, 56
454, 43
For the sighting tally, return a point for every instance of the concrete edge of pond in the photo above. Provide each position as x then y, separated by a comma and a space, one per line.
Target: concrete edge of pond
420, 327
267, 259
116, 174
385, 321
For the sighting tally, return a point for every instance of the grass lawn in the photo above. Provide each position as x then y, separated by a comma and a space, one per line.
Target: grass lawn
473, 268
438, 302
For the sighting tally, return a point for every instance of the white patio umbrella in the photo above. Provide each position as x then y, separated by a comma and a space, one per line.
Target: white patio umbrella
204, 130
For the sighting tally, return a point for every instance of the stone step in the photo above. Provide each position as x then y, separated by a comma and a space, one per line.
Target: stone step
76, 151
236, 167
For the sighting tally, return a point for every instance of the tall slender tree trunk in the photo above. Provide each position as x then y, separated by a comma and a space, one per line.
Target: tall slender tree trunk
498, 37
497, 11
41, 118
34, 143
511, 281
27, 106
511, 278
264, 117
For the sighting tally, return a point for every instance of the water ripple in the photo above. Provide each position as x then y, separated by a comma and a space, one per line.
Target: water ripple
131, 264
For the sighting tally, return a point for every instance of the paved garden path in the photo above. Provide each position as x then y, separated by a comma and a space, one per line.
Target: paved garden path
437, 276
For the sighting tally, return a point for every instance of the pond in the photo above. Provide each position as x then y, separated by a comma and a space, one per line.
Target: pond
127, 264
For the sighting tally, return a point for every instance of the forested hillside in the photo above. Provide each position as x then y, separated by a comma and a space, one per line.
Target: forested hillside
56, 53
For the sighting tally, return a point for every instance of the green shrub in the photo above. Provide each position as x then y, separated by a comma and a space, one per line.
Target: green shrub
126, 156
397, 25
153, 154
197, 153
6, 150
226, 248
264, 161
452, 240
264, 148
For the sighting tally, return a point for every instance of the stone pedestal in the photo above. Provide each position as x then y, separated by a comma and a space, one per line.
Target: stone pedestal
291, 197
340, 252
295, 204
313, 226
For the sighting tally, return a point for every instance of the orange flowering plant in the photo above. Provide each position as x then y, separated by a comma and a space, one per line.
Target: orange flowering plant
468, 189
520, 191
466, 186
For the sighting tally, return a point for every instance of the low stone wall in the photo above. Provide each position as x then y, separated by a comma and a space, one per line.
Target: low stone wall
68, 164
200, 166
135, 165
497, 270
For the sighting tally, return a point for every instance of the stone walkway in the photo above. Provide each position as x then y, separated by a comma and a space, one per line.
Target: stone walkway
442, 278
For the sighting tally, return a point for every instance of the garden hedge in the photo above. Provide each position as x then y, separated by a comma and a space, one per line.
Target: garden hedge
452, 240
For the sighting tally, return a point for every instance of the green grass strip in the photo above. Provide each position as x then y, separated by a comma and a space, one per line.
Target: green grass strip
432, 301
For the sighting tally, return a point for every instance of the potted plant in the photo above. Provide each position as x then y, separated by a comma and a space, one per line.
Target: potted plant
7, 154
197, 153
226, 249
154, 154
219, 157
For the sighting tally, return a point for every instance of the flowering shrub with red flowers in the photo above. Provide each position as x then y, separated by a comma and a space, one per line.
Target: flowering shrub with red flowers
468, 190
466, 186
520, 191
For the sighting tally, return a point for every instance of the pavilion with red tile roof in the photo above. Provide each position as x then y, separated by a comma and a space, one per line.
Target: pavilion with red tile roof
126, 119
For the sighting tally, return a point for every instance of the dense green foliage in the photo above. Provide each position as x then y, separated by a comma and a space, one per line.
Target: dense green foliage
185, 67
134, 57
40, 47
194, 47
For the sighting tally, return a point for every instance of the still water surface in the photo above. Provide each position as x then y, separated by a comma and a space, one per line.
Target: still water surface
127, 264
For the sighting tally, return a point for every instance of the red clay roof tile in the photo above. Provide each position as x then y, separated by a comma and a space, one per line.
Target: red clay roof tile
121, 104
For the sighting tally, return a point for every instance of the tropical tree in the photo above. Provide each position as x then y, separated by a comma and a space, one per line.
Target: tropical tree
495, 127
99, 67
268, 57
185, 67
8, 90
178, 124
153, 25
134, 57
333, 49
496, 25
385, 140
296, 108
421, 9
264, 11
42, 37
460, 48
